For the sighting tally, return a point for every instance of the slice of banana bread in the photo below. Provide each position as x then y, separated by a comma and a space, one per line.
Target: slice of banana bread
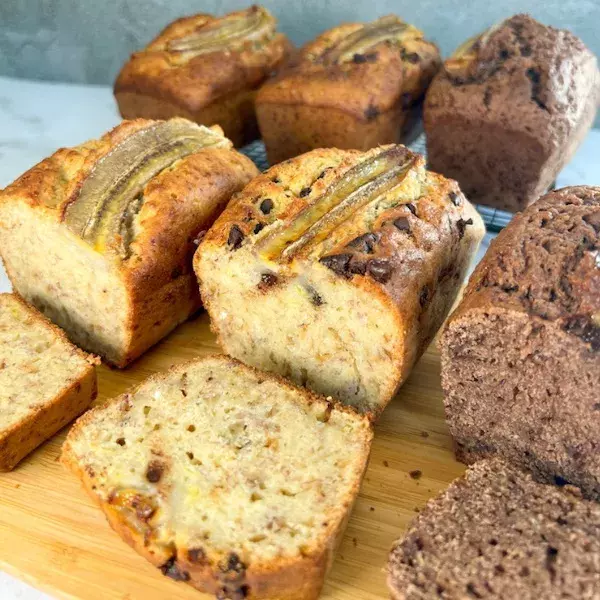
100, 237
225, 477
336, 269
521, 354
497, 534
45, 381
509, 109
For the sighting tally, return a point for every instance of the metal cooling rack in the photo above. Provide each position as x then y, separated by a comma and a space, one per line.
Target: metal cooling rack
494, 219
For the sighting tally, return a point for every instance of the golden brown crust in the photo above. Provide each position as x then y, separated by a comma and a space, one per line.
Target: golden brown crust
299, 578
208, 88
415, 255
25, 436
366, 100
175, 210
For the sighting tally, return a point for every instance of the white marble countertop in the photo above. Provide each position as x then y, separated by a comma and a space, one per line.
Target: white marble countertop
36, 118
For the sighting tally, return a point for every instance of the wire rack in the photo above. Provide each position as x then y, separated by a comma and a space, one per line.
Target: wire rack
494, 219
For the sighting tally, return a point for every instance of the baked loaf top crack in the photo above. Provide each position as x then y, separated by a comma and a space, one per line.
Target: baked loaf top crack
546, 263
132, 195
199, 59
519, 64
331, 71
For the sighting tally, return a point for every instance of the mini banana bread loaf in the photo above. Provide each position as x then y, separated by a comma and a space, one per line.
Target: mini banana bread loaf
45, 381
100, 237
206, 69
336, 269
225, 477
355, 86
509, 109
497, 534
521, 354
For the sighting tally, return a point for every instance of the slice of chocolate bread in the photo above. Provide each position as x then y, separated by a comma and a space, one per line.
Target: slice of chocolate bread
496, 533
521, 354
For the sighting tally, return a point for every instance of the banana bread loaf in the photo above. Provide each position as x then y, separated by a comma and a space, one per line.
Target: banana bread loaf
521, 354
225, 477
355, 86
337, 268
100, 237
45, 381
497, 534
509, 109
206, 69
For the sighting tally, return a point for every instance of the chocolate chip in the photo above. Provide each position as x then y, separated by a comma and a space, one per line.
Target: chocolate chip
412, 208
357, 267
267, 279
533, 75
461, 225
259, 227
121, 441
504, 54
154, 471
371, 113
305, 191
323, 173
236, 237
338, 263
170, 569
596, 406
454, 198
365, 242
416, 474
196, 555
424, 296
363, 58
143, 509
585, 329
402, 224
487, 97
551, 558
535, 78
380, 269
233, 593
405, 100
233, 564
266, 206
276, 180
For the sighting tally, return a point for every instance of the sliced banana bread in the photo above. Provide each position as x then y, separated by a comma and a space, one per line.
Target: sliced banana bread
521, 354
45, 381
100, 237
336, 269
497, 534
225, 477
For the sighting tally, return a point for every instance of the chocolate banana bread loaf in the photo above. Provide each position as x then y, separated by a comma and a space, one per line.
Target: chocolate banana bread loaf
206, 69
521, 354
355, 86
336, 269
497, 534
100, 237
509, 109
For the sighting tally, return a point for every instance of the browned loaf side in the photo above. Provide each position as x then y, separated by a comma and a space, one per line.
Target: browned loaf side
336, 269
521, 354
100, 237
498, 534
45, 381
509, 109
225, 477
206, 69
355, 86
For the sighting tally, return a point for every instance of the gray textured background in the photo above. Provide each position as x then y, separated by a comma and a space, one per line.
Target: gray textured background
87, 41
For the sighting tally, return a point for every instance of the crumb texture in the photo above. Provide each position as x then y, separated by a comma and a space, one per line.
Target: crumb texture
498, 534
521, 354
216, 464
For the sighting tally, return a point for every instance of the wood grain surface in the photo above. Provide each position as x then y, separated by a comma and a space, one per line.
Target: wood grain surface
52, 536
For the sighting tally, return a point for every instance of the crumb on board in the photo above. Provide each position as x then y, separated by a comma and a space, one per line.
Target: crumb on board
424, 434
386, 463
416, 474
372, 509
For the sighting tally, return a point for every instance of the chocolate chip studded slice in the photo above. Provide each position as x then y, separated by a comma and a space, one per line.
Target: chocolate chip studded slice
357, 43
228, 33
103, 210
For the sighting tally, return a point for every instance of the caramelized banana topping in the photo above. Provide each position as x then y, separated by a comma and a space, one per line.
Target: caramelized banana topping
229, 33
388, 28
359, 186
104, 209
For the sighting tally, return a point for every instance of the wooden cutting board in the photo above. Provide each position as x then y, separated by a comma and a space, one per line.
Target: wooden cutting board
52, 536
